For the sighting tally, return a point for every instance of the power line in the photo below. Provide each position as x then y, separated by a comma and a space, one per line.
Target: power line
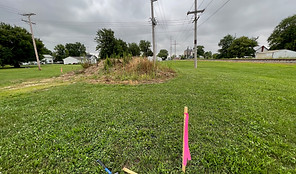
214, 13
187, 28
209, 4
191, 6
162, 15
200, 5
10, 9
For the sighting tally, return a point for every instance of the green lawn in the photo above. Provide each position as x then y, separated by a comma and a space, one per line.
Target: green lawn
242, 120
11, 75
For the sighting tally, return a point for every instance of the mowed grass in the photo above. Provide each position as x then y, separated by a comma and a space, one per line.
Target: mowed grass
9, 76
242, 120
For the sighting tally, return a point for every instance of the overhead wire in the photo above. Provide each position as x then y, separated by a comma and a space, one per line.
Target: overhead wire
223, 5
208, 4
200, 5
188, 27
10, 9
184, 31
213, 14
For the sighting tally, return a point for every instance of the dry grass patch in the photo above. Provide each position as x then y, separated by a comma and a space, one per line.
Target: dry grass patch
123, 71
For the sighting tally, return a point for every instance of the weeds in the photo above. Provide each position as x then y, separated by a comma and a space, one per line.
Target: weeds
135, 69
86, 64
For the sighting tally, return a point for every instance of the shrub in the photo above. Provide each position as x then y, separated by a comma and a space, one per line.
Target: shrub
86, 65
108, 64
126, 58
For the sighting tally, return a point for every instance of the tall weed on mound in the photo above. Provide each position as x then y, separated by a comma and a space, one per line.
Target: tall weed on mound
137, 69
141, 66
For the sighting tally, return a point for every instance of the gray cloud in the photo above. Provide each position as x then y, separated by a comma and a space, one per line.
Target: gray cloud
78, 20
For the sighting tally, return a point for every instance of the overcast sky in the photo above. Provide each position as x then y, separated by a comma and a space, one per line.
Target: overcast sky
69, 21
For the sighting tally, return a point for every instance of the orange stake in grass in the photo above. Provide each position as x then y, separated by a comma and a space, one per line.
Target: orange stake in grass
186, 152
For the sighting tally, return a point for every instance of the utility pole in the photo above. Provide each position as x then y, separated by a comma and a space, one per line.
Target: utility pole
187, 53
195, 30
154, 23
34, 44
175, 44
171, 48
175, 48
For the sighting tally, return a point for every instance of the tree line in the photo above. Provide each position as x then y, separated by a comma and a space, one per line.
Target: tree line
282, 37
16, 45
112, 47
61, 51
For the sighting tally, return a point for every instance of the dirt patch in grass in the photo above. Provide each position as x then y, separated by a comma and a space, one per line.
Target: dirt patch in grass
119, 71
130, 72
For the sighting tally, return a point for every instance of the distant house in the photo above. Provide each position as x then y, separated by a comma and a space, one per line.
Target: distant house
48, 59
150, 58
261, 49
73, 60
77, 60
188, 53
91, 58
276, 54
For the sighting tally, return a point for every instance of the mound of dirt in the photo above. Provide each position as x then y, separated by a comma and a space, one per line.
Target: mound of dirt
119, 71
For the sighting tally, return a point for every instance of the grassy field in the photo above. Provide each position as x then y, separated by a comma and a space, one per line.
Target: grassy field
10, 76
242, 120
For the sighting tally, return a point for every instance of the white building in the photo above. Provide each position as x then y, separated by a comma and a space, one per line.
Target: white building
150, 58
48, 59
276, 54
91, 59
72, 60
261, 49
77, 60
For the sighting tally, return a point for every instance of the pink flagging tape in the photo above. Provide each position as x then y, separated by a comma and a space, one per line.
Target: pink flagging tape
186, 153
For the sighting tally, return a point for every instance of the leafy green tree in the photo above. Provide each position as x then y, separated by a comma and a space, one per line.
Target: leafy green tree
200, 50
106, 43
60, 52
215, 56
242, 47
149, 53
16, 45
76, 49
145, 48
47, 51
5, 55
284, 35
225, 44
208, 55
121, 48
183, 57
134, 49
163, 53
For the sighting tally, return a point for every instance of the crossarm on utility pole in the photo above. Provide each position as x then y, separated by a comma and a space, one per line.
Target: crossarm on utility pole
194, 12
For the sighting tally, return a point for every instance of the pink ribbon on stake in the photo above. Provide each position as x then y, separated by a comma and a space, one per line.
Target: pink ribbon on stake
186, 152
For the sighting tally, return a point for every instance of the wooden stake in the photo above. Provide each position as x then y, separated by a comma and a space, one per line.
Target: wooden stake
128, 171
185, 111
